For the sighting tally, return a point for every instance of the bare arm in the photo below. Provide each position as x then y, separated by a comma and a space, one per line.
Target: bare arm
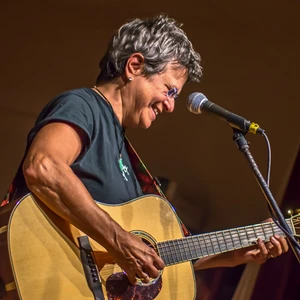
49, 176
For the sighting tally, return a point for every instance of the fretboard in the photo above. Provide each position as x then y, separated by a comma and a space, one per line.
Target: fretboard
194, 247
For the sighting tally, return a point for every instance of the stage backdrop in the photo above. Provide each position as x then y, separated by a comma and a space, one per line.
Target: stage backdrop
250, 55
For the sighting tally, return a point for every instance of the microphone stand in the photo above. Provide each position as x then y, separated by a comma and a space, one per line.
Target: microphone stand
243, 146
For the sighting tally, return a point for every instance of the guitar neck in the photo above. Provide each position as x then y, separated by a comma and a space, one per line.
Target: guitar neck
197, 246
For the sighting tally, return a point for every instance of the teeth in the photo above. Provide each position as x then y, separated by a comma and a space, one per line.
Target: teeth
155, 110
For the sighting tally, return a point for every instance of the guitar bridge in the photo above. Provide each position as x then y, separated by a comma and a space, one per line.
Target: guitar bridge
90, 267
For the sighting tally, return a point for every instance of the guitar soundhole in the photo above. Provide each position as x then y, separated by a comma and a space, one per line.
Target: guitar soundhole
118, 287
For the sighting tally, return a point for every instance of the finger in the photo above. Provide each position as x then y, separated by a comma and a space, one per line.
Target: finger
145, 279
159, 264
277, 249
267, 220
269, 247
263, 254
153, 264
151, 270
133, 270
144, 270
142, 274
131, 277
283, 242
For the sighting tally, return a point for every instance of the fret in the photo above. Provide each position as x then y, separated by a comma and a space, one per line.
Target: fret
215, 242
248, 239
218, 240
238, 243
239, 236
181, 251
273, 228
229, 240
246, 236
203, 246
232, 238
167, 258
255, 233
187, 250
165, 254
221, 243
171, 252
265, 230
209, 244
277, 230
251, 234
212, 244
194, 248
161, 253
224, 240
175, 251
258, 233
199, 245
183, 248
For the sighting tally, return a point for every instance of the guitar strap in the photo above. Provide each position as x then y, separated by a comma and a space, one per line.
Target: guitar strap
147, 182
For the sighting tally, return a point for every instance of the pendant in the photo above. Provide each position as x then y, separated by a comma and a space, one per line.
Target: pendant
123, 168
121, 164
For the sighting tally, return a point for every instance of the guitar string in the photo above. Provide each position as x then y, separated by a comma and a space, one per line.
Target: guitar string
214, 245
214, 240
235, 236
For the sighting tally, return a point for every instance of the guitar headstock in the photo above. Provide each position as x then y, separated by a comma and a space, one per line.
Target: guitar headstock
296, 224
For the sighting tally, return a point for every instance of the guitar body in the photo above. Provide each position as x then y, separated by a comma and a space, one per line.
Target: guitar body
45, 255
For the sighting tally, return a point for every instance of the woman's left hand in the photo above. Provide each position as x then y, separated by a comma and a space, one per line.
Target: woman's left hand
262, 252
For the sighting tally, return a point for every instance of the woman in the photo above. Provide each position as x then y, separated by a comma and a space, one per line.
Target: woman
76, 151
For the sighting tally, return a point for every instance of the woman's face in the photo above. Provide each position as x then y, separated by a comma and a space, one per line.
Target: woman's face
153, 95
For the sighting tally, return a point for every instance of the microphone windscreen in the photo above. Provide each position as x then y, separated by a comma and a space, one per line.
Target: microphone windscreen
195, 102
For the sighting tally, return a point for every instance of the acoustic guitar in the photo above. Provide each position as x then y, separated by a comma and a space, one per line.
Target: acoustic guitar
52, 259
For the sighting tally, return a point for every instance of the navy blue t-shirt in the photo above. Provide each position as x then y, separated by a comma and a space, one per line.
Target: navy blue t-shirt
98, 165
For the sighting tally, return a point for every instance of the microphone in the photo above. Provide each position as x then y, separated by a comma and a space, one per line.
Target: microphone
198, 103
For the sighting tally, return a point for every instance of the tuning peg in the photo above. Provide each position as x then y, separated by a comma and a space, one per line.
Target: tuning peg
290, 212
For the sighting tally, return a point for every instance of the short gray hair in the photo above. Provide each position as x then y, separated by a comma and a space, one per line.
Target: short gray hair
159, 39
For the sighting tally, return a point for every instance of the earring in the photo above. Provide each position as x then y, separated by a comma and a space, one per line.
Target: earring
129, 79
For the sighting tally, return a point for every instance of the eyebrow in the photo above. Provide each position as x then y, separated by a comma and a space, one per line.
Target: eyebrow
169, 85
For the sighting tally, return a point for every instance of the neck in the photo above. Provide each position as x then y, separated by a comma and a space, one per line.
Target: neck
111, 92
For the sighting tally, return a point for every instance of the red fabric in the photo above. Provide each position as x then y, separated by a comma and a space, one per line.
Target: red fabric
8, 194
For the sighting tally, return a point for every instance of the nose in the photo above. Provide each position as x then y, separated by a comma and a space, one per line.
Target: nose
169, 105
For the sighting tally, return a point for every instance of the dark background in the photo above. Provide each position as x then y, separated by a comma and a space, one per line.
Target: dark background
250, 55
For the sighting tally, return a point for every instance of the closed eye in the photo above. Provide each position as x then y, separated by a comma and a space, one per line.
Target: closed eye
172, 93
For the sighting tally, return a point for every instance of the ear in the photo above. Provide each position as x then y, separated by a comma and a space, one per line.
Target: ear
135, 65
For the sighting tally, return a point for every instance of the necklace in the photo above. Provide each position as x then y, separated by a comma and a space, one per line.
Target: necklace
123, 168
